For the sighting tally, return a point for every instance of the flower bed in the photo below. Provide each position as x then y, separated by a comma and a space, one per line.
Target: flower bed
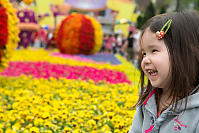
58, 104
47, 70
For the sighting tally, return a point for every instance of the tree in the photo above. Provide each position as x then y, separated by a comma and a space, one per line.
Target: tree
141, 4
186, 4
149, 12
177, 5
163, 9
162, 5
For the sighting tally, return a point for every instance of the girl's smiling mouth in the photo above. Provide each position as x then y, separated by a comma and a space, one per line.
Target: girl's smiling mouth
152, 72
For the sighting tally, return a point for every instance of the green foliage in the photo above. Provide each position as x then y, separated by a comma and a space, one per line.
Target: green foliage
140, 21
196, 4
149, 12
184, 4
163, 9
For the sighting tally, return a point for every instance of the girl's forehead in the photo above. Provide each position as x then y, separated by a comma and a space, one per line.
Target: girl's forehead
148, 34
149, 40
147, 37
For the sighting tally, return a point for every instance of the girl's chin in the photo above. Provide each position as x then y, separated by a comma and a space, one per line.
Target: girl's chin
154, 84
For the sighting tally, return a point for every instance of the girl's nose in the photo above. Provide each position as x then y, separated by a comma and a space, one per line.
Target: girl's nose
146, 60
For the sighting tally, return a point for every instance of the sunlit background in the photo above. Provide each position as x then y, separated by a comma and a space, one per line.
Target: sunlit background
72, 65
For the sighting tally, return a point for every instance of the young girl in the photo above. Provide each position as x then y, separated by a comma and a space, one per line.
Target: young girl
169, 103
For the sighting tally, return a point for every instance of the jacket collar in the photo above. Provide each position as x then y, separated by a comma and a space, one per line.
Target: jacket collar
193, 102
150, 103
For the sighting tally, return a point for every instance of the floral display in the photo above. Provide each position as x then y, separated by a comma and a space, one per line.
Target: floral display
35, 55
58, 54
36, 96
79, 34
47, 70
4, 27
40, 106
86, 36
8, 32
28, 25
98, 35
27, 2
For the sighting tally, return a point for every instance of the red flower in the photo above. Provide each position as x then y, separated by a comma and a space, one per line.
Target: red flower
3, 29
86, 36
60, 33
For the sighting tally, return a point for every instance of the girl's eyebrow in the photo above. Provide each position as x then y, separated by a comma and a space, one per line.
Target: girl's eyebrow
152, 46
149, 47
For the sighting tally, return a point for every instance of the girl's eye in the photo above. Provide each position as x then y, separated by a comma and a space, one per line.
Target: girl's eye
154, 50
143, 54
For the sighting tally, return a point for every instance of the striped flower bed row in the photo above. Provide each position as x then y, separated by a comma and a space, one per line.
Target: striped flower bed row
48, 94
47, 70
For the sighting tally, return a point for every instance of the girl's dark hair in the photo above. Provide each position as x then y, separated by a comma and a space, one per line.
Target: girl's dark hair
182, 42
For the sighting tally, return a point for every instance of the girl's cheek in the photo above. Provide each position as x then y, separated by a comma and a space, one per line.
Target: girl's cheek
142, 65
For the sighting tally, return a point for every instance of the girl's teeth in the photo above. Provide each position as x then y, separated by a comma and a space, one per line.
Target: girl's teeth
152, 72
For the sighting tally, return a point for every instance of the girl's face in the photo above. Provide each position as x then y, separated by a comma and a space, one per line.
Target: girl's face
155, 62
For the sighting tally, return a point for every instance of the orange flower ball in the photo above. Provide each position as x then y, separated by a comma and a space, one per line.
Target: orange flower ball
79, 34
